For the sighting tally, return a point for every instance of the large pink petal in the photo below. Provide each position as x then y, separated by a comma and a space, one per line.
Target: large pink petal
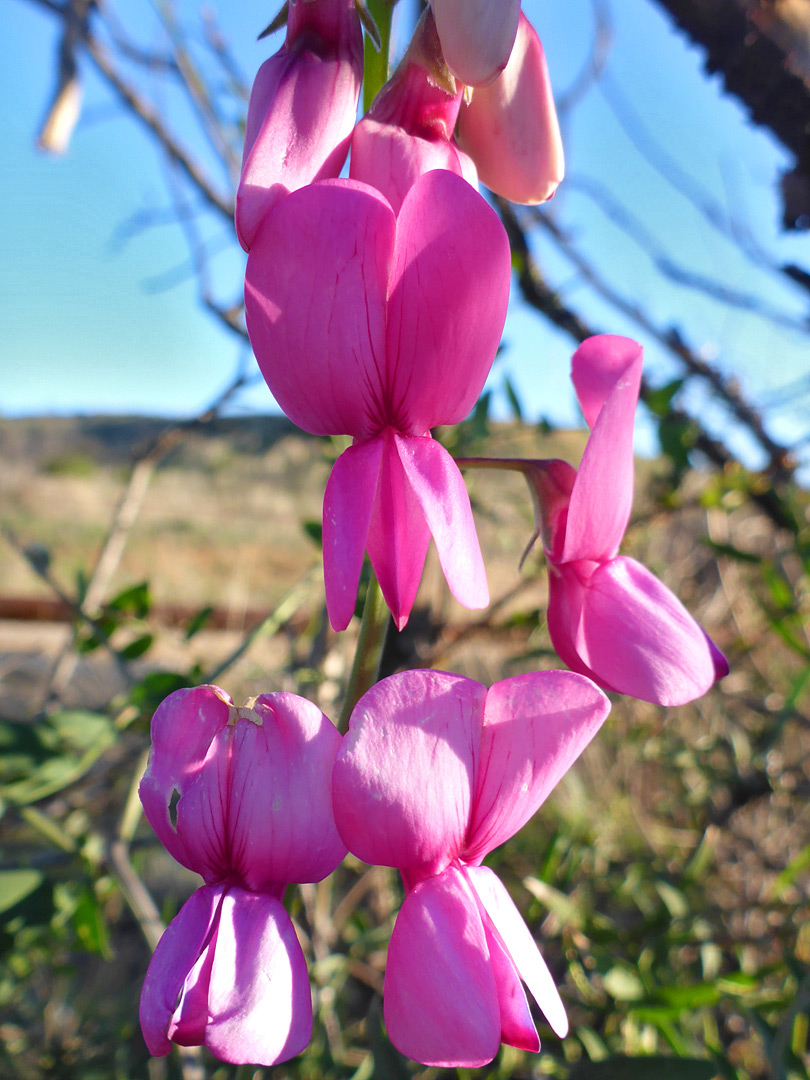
535, 727
602, 497
441, 1003
175, 991
259, 811
403, 780
183, 728
477, 36
259, 999
514, 933
449, 291
398, 535
315, 300
510, 128
280, 824
639, 639
597, 365
439, 489
348, 502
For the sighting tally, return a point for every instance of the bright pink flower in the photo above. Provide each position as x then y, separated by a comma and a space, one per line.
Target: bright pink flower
381, 326
241, 796
477, 36
608, 616
510, 128
409, 128
434, 773
302, 109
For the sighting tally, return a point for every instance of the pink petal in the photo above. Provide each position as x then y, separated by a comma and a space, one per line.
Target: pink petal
259, 998
448, 297
439, 489
260, 810
510, 128
302, 110
398, 535
535, 727
598, 365
281, 824
403, 779
477, 36
566, 596
348, 502
640, 640
183, 727
409, 128
392, 159
175, 990
602, 497
315, 299
441, 1004
520, 944
517, 1026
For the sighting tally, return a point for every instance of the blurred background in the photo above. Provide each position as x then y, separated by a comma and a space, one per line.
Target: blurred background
160, 527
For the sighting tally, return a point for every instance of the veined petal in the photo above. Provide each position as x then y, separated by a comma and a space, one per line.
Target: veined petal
259, 998
602, 497
439, 489
448, 296
398, 535
183, 728
520, 944
403, 780
535, 727
477, 36
280, 824
441, 1004
172, 990
315, 299
640, 640
348, 503
510, 127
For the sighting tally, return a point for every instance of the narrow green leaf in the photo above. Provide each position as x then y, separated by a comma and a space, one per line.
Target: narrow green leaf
136, 648
15, 885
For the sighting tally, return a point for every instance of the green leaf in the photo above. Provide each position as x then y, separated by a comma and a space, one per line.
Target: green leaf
645, 1068
70, 742
658, 401
794, 869
512, 398
154, 687
134, 600
198, 621
136, 648
15, 885
314, 530
90, 925
623, 984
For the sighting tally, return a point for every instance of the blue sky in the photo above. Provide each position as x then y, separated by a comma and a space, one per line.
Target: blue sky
94, 324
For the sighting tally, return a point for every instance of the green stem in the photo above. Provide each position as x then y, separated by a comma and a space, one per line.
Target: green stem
48, 828
369, 650
375, 64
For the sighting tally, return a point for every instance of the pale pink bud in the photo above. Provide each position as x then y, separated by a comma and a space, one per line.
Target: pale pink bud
302, 109
408, 130
510, 128
477, 36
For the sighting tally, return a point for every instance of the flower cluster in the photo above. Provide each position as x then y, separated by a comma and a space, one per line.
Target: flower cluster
375, 305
